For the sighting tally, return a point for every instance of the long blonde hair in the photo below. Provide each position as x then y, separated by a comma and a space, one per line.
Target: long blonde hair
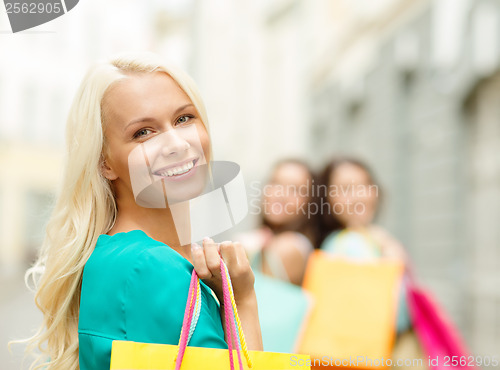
85, 208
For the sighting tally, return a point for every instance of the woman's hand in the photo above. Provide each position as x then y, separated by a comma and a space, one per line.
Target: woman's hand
206, 261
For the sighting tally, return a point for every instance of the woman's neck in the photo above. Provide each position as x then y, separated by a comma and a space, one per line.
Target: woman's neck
167, 225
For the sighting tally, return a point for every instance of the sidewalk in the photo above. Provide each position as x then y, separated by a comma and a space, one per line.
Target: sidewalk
19, 318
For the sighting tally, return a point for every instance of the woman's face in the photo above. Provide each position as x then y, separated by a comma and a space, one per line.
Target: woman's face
150, 113
352, 197
287, 194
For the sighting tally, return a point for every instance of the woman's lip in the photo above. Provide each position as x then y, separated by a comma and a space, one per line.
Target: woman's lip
179, 164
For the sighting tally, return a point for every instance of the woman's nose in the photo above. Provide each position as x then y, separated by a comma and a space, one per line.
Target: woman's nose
174, 143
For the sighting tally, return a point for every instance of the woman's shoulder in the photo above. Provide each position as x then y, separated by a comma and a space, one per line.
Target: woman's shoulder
129, 242
131, 272
128, 248
117, 258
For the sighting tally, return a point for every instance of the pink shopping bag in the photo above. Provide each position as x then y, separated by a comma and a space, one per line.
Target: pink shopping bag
438, 337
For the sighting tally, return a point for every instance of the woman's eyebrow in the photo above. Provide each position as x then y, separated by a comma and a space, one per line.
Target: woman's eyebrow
150, 119
143, 119
183, 107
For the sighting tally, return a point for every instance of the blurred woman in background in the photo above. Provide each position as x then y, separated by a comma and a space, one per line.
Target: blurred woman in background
288, 230
348, 230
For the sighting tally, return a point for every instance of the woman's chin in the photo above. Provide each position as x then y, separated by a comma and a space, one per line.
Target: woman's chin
181, 191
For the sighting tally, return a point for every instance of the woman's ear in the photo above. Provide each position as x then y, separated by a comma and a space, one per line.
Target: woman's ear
107, 171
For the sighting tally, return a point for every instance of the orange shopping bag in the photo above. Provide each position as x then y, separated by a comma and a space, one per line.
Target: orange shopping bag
126, 355
353, 321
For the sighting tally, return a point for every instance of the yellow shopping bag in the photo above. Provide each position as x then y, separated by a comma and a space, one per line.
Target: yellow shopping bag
142, 356
127, 355
353, 321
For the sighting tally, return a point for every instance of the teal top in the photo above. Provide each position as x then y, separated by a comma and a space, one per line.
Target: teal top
135, 288
352, 244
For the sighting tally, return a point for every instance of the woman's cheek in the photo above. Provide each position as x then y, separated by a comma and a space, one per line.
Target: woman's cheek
202, 143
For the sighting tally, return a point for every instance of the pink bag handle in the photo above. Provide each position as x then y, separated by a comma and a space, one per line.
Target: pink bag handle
235, 337
229, 314
188, 317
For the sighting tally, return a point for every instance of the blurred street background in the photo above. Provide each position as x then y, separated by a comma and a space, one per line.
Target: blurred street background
412, 87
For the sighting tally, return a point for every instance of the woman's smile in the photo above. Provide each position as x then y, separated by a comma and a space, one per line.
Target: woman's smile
178, 170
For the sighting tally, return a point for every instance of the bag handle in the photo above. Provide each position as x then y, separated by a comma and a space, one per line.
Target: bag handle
188, 324
229, 316
233, 325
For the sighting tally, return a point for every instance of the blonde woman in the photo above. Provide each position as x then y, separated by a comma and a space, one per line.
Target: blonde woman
112, 269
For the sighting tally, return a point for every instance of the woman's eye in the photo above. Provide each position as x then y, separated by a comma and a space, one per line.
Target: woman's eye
142, 132
184, 119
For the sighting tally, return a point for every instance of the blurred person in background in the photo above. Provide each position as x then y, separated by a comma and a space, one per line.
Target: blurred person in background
289, 226
349, 229
349, 202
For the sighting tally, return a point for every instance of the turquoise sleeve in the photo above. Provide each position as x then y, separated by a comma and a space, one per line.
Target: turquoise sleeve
157, 291
155, 298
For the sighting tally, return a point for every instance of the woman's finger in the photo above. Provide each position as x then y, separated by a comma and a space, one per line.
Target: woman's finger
212, 256
228, 255
199, 261
241, 254
237, 261
244, 267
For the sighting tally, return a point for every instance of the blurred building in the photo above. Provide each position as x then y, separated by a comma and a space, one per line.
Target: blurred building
413, 88
248, 58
